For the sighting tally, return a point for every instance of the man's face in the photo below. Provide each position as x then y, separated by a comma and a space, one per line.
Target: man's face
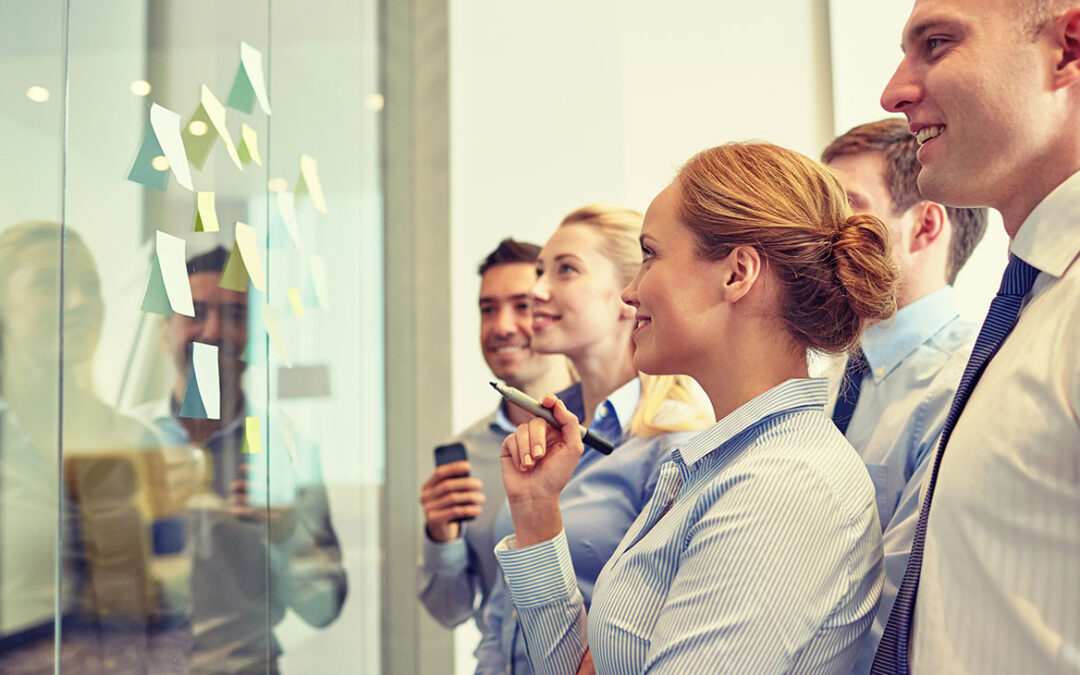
974, 89
863, 178
220, 319
506, 323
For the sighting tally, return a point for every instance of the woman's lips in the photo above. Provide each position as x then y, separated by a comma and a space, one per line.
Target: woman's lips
542, 320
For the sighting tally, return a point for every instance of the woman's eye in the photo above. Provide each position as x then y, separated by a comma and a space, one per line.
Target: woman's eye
566, 269
646, 253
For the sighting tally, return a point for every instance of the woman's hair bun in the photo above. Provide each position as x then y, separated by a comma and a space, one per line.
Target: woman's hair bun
864, 266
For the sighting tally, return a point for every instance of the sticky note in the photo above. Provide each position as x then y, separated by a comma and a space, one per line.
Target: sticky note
310, 381
243, 263
286, 202
273, 329
168, 290
309, 182
318, 278
249, 85
249, 145
166, 126
205, 212
203, 397
287, 433
208, 118
295, 302
142, 169
252, 437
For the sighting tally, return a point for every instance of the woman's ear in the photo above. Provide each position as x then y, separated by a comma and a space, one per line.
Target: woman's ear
740, 271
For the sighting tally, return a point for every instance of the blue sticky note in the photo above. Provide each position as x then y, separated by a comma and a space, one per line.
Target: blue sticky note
156, 299
142, 169
193, 404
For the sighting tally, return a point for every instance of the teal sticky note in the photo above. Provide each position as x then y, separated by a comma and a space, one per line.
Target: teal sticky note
242, 94
193, 404
142, 169
156, 299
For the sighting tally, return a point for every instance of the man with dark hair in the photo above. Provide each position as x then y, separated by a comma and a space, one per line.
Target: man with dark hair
895, 390
289, 537
991, 90
459, 566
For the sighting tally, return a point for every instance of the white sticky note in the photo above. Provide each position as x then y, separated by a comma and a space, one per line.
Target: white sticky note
249, 145
249, 253
273, 329
251, 60
309, 175
286, 202
166, 126
205, 212
216, 112
171, 254
318, 278
205, 359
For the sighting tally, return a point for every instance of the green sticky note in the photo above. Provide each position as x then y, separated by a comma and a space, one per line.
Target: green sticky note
249, 145
193, 404
235, 275
156, 299
252, 439
142, 169
198, 146
206, 219
249, 85
242, 94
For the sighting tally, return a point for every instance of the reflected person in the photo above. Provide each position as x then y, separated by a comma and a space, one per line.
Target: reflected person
235, 539
44, 369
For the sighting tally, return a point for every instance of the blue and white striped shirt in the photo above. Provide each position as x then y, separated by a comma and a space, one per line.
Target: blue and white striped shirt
760, 552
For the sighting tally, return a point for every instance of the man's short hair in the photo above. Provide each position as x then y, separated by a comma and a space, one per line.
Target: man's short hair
510, 251
212, 261
891, 138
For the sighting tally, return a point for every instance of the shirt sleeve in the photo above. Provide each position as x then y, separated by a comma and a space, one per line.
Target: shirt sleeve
448, 583
760, 575
543, 588
489, 655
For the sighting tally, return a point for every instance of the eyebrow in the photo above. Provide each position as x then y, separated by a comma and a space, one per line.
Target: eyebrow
490, 299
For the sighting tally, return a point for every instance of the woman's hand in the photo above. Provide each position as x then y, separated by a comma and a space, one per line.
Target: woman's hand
537, 462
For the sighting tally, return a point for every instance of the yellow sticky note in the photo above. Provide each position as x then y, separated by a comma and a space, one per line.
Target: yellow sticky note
249, 145
252, 438
294, 300
243, 262
273, 329
309, 182
287, 433
205, 212
207, 123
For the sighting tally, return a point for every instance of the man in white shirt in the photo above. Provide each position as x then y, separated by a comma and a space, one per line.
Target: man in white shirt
458, 566
895, 393
991, 88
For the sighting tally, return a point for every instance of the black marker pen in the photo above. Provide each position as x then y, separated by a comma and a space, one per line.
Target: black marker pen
529, 404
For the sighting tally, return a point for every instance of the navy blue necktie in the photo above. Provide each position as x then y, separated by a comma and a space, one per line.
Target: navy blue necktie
856, 369
892, 653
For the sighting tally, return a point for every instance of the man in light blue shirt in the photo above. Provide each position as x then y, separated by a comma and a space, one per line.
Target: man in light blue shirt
892, 397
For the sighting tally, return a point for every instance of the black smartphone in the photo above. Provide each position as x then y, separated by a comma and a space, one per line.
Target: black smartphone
451, 452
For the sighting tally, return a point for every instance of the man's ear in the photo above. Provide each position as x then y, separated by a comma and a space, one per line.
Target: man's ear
929, 225
739, 272
1066, 42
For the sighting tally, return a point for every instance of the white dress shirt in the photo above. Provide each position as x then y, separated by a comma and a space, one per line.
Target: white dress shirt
1000, 584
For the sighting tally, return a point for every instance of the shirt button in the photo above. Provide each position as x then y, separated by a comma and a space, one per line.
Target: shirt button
879, 372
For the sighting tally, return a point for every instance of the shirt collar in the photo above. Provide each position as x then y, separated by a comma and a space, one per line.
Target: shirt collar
623, 402
785, 397
887, 343
1050, 237
571, 398
501, 423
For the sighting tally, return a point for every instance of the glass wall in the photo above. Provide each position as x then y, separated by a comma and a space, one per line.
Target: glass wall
191, 409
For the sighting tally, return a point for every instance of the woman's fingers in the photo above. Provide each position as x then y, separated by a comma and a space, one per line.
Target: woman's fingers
566, 419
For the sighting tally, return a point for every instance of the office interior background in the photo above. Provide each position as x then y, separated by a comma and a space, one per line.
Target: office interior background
438, 128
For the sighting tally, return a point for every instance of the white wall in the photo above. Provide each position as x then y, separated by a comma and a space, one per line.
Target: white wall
558, 104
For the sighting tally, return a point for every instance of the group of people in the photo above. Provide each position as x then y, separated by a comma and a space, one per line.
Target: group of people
914, 508
231, 564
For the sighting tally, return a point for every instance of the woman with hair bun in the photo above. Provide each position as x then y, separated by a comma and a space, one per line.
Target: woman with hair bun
760, 550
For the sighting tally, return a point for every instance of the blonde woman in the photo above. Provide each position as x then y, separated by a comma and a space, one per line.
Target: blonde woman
577, 311
760, 550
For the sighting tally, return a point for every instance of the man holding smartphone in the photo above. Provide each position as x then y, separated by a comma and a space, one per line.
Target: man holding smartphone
458, 564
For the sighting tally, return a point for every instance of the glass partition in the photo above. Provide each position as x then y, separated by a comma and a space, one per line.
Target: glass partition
191, 326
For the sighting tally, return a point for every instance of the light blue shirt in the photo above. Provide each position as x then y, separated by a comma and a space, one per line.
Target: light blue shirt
759, 552
598, 504
916, 360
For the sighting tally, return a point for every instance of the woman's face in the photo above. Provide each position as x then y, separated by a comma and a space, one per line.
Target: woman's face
31, 303
576, 303
676, 294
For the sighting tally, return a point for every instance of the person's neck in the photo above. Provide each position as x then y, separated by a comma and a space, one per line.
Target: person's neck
747, 368
1046, 177
601, 377
909, 293
199, 430
551, 381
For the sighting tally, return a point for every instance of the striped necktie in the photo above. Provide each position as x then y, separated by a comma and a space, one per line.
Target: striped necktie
856, 369
892, 654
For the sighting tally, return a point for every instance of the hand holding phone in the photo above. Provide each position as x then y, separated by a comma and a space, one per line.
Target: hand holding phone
451, 495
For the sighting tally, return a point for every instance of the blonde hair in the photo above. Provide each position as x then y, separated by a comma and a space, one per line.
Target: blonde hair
668, 402
833, 267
